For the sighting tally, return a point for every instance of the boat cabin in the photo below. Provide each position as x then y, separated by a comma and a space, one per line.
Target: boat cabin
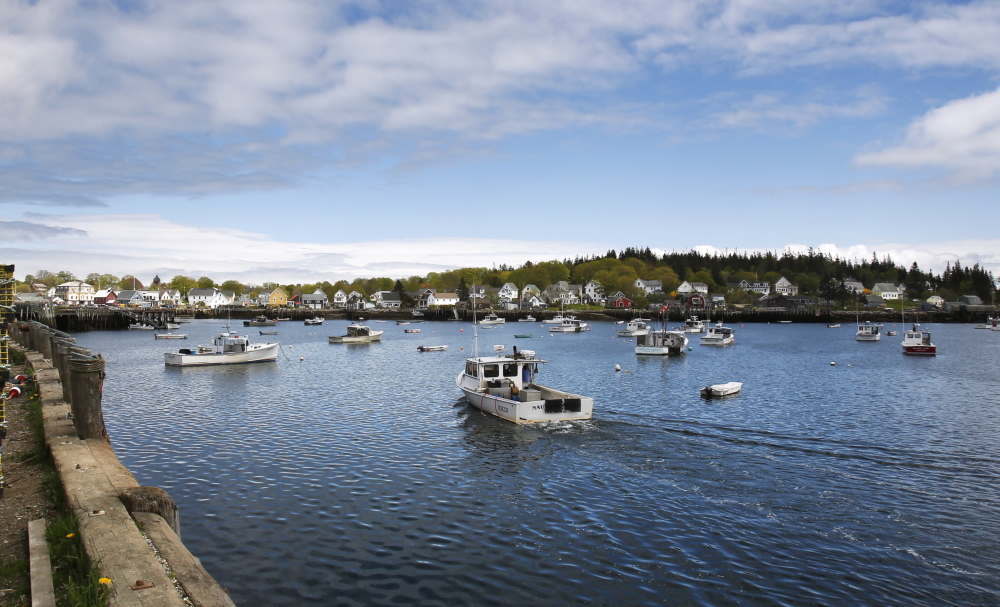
358, 331
509, 377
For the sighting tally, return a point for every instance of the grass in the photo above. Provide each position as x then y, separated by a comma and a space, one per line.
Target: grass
75, 578
14, 575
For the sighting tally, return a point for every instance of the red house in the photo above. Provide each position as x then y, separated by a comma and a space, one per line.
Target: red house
618, 300
695, 300
105, 296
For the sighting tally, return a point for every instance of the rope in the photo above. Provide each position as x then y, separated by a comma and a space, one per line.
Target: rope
87, 365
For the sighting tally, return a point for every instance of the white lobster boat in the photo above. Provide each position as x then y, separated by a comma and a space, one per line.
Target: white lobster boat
170, 335
570, 325
505, 386
492, 319
316, 320
661, 342
694, 325
635, 327
868, 331
718, 335
918, 341
357, 334
226, 349
558, 319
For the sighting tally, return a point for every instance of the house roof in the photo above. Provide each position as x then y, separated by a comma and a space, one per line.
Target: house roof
197, 292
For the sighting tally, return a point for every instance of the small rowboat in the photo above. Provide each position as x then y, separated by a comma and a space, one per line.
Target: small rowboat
411, 330
171, 335
432, 348
722, 389
523, 335
268, 332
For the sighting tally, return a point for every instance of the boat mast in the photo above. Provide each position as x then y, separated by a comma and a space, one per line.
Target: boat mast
475, 325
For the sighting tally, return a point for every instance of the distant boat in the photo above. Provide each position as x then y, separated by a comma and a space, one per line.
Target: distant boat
694, 325
867, 332
638, 326
523, 335
268, 332
918, 341
835, 325
492, 319
528, 318
717, 335
260, 321
411, 330
357, 334
171, 335
318, 320
570, 325
140, 326
431, 348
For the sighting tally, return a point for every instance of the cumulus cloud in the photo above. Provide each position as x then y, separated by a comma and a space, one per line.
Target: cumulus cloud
197, 96
961, 136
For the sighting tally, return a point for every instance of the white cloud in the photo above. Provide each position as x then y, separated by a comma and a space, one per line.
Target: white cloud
962, 136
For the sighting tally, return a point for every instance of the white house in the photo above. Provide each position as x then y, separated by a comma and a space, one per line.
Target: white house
508, 291
208, 298
593, 292
170, 297
887, 291
785, 287
649, 286
442, 299
75, 292
339, 299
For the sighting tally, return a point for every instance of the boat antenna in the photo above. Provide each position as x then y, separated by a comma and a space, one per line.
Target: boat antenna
475, 325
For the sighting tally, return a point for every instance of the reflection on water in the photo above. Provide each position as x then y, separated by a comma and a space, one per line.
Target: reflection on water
356, 475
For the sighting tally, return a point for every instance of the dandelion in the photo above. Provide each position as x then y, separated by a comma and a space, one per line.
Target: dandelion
70, 534
105, 581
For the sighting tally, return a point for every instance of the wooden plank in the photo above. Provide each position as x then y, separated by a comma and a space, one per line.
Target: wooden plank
42, 592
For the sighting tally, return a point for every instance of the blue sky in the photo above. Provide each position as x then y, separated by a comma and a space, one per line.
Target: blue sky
301, 141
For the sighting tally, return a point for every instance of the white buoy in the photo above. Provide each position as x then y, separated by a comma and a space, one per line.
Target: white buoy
618, 367
302, 358
832, 364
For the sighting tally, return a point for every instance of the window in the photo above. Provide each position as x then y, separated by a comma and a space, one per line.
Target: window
491, 370
510, 370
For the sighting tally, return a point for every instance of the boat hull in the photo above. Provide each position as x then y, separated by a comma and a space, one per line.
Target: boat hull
256, 354
553, 405
351, 339
920, 350
727, 389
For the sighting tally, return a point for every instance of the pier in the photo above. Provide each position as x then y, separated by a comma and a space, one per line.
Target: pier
116, 516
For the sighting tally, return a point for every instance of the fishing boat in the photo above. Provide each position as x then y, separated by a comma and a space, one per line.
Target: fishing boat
138, 325
570, 325
417, 313
170, 335
528, 318
226, 349
835, 325
357, 334
918, 341
718, 335
492, 319
661, 342
411, 330
260, 321
432, 348
725, 389
867, 331
694, 325
317, 320
402, 322
558, 319
635, 327
505, 386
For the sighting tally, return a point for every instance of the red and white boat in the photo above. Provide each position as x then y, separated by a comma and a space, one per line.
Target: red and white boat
918, 341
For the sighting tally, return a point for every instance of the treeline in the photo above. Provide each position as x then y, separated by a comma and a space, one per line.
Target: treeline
814, 273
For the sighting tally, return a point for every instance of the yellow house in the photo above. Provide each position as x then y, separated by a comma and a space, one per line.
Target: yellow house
278, 298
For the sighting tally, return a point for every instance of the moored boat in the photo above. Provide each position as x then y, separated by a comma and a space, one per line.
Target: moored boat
268, 332
725, 389
635, 327
505, 386
522, 335
357, 334
661, 342
170, 335
718, 335
694, 325
411, 330
868, 331
492, 319
316, 320
528, 318
432, 348
226, 349
260, 321
558, 319
570, 325
918, 341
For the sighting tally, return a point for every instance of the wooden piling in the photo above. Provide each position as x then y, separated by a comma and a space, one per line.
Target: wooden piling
87, 378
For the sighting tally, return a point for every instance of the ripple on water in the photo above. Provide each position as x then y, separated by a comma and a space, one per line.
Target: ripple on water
358, 476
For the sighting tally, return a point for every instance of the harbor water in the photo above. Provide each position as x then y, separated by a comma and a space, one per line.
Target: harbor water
356, 474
